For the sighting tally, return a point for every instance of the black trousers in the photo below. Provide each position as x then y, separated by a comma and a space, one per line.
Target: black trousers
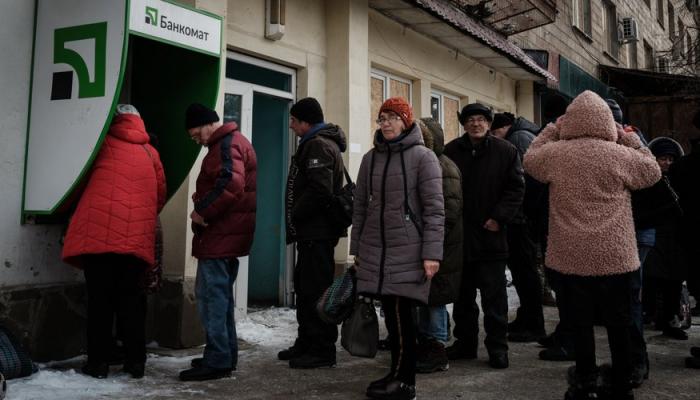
564, 331
398, 316
313, 274
113, 289
489, 278
522, 262
604, 298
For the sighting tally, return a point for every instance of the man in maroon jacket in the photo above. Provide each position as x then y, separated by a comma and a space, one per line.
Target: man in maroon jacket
223, 222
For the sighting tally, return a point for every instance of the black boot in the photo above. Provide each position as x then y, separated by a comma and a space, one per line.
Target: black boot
392, 390
199, 362
581, 387
461, 350
432, 358
292, 352
96, 370
136, 370
382, 381
308, 361
204, 373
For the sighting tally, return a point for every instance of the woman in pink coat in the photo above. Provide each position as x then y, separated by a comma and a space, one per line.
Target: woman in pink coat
591, 167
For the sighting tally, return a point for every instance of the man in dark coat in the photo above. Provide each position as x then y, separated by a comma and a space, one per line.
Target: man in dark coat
315, 175
493, 188
223, 222
528, 325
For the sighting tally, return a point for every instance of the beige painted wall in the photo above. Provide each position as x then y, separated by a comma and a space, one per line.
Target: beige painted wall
414, 56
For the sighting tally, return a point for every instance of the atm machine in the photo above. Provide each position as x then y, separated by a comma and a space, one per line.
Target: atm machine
90, 55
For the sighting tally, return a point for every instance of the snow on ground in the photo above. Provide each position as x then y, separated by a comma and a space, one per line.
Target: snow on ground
268, 329
62, 380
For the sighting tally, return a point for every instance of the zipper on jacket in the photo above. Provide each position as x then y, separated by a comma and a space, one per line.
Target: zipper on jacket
381, 222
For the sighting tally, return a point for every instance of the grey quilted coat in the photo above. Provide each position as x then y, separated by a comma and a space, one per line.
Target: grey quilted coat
398, 217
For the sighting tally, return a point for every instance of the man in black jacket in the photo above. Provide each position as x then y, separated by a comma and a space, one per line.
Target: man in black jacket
493, 189
528, 325
315, 175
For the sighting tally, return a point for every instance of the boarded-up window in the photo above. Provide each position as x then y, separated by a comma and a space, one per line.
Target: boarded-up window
444, 109
451, 124
377, 100
385, 85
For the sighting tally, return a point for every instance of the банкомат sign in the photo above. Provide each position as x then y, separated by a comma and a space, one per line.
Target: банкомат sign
176, 25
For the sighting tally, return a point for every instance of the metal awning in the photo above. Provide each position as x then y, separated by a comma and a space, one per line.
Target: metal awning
511, 16
450, 26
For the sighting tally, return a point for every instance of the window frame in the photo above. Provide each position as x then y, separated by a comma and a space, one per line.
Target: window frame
386, 77
580, 22
610, 29
440, 95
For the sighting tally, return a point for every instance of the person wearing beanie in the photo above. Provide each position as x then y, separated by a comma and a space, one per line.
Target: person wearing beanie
112, 238
591, 166
528, 325
223, 222
397, 236
315, 176
493, 188
615, 109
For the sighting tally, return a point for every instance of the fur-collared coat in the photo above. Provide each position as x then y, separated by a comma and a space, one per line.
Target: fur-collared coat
590, 172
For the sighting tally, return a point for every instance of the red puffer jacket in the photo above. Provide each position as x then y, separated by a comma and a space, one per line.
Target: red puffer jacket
125, 192
225, 196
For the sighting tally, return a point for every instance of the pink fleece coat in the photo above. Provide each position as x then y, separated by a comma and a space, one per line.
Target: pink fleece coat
590, 172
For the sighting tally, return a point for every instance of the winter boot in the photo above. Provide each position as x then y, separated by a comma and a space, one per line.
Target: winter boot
581, 387
309, 361
393, 390
461, 350
204, 373
96, 370
432, 358
287, 354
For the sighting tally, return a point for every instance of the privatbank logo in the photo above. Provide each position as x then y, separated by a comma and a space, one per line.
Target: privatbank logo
62, 83
152, 16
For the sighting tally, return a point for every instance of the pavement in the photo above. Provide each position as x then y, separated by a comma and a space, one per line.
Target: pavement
261, 376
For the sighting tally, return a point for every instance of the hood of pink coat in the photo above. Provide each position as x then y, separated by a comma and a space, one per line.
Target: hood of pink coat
588, 116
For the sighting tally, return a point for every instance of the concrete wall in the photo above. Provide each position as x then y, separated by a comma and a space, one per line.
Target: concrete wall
588, 53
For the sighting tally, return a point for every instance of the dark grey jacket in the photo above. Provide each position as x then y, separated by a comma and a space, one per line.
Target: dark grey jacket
398, 217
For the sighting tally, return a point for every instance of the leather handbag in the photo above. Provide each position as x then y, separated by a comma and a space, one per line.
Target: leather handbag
360, 332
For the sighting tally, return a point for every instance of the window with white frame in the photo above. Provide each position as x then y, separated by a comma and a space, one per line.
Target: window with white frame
581, 16
384, 85
444, 108
612, 43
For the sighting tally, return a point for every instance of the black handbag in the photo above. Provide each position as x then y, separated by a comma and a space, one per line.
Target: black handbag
360, 332
340, 208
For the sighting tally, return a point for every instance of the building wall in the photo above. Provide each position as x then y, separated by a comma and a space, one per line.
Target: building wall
588, 52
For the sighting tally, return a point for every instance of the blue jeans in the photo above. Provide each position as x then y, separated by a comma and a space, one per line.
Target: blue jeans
432, 323
214, 291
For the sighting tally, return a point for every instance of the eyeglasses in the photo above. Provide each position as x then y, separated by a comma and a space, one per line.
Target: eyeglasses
479, 120
380, 121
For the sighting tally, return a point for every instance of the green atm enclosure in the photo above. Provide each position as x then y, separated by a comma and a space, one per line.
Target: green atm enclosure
90, 55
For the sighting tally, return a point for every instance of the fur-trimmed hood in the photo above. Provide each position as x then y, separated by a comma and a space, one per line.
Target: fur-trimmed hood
433, 135
588, 116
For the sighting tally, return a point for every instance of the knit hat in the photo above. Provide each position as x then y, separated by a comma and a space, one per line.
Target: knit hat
126, 109
664, 145
475, 109
307, 110
400, 107
199, 115
615, 109
502, 119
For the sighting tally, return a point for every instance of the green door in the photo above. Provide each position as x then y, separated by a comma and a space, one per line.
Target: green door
264, 119
271, 142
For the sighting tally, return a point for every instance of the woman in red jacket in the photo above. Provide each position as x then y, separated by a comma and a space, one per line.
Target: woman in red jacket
111, 237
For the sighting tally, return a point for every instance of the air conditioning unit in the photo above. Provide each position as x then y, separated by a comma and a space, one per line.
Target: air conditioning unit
628, 30
275, 11
662, 65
